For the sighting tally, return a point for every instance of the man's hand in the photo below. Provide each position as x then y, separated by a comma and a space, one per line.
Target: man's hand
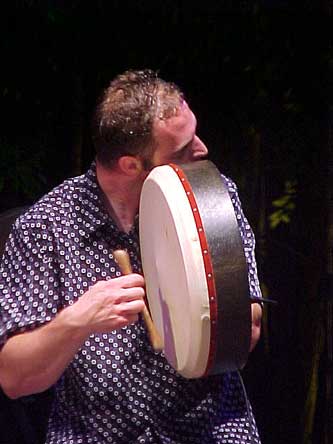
107, 305
256, 314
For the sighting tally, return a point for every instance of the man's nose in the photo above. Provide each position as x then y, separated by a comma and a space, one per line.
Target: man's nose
199, 149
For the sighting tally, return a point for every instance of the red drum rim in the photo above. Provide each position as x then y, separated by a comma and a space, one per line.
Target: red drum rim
198, 190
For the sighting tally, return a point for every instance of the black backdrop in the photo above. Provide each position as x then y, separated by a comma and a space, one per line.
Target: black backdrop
257, 76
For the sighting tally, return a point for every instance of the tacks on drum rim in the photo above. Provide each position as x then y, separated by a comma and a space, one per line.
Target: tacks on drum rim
195, 269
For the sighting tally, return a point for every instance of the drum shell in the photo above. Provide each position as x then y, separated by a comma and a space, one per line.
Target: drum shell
230, 337
229, 265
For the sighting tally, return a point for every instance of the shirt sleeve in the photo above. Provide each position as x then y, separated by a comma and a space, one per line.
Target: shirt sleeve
28, 280
248, 239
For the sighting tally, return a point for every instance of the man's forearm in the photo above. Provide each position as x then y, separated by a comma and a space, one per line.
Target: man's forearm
33, 361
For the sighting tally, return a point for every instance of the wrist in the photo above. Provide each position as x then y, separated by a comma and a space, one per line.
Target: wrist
70, 323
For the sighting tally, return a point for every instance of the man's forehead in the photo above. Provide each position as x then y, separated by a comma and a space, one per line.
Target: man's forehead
184, 120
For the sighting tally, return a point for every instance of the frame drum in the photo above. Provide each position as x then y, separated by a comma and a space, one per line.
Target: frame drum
195, 269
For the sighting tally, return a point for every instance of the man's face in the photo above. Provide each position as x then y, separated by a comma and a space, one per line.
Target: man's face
176, 139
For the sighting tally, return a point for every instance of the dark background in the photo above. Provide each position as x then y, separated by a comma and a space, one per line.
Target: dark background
257, 75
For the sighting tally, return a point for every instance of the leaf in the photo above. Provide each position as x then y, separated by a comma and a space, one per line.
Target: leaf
281, 202
290, 206
275, 219
285, 218
285, 205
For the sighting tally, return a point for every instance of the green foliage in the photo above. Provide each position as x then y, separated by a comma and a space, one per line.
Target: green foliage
284, 205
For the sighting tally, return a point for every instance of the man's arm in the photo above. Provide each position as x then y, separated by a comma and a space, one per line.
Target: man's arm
33, 361
248, 240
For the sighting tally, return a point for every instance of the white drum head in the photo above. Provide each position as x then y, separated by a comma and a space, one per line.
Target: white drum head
174, 272
195, 269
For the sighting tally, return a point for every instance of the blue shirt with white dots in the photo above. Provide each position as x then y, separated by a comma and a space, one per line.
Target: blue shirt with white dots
117, 389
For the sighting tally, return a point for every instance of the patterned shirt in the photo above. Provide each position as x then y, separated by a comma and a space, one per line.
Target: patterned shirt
117, 389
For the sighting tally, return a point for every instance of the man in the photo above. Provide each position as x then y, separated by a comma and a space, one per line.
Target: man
68, 316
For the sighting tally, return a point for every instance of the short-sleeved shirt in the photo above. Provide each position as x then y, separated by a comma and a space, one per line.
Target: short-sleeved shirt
117, 389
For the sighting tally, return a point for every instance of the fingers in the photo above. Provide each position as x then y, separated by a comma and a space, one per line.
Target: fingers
256, 312
130, 294
127, 281
115, 302
131, 319
120, 290
109, 305
125, 288
129, 308
119, 284
130, 280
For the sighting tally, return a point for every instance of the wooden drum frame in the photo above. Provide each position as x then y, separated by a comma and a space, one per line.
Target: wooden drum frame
195, 269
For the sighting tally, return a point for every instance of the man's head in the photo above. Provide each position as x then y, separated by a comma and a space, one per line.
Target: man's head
143, 116
125, 115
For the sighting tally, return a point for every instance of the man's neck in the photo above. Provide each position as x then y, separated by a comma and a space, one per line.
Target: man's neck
122, 195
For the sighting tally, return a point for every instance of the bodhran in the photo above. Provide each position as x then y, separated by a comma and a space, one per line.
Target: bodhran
195, 269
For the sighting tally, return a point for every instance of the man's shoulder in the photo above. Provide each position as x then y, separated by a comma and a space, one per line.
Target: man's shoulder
231, 185
56, 205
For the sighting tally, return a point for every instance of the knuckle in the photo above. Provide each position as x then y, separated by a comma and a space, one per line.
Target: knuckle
117, 310
137, 278
142, 292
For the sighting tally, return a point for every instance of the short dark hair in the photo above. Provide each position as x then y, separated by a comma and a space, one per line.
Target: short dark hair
124, 116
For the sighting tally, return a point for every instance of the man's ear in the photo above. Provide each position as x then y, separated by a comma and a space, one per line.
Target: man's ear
130, 165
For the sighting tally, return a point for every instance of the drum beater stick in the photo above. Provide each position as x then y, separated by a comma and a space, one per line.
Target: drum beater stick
124, 263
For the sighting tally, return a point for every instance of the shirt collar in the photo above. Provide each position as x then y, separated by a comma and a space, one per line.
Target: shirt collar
92, 208
91, 213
